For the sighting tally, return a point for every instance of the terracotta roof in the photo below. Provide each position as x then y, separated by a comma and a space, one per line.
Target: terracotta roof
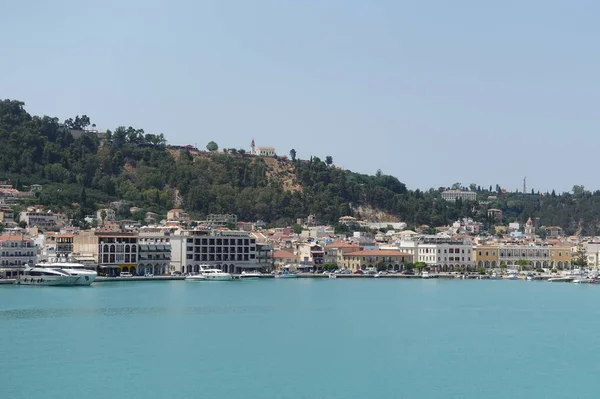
284, 254
377, 253
341, 244
12, 237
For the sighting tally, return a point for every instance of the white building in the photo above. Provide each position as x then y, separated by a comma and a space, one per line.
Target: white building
16, 252
265, 151
453, 195
154, 254
36, 217
231, 251
445, 253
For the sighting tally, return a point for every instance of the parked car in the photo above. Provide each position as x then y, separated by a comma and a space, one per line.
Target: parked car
408, 272
358, 272
125, 274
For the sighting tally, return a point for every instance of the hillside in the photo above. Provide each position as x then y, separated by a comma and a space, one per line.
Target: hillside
84, 173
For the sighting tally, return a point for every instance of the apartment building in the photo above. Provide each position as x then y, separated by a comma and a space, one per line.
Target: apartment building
487, 255
154, 252
386, 259
115, 252
445, 253
230, 251
36, 217
536, 256
334, 252
16, 252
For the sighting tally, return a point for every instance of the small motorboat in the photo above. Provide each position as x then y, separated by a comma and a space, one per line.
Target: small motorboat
251, 275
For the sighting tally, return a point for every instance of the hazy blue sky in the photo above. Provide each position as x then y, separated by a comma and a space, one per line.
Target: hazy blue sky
433, 92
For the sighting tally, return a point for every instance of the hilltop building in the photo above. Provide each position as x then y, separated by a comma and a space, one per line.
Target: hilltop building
453, 195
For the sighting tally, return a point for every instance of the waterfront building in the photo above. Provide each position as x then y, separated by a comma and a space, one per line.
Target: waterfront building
16, 252
444, 253
334, 252
453, 195
154, 253
592, 250
114, 251
311, 255
536, 256
230, 251
561, 256
487, 255
384, 259
282, 258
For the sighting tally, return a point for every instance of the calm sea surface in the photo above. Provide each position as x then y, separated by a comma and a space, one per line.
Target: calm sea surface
364, 338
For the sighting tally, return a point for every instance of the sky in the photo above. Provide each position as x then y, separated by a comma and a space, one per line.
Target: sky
432, 92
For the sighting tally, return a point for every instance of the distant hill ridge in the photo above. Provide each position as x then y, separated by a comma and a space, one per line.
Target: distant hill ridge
81, 174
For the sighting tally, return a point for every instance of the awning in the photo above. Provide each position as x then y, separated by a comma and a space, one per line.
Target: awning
152, 247
110, 266
143, 247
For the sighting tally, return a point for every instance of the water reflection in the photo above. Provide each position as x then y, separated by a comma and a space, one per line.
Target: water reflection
14, 314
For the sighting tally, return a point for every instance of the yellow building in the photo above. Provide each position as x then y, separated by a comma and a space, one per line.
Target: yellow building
334, 252
486, 255
282, 258
560, 256
386, 258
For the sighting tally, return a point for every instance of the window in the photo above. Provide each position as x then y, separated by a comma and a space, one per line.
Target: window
479, 253
451, 251
487, 253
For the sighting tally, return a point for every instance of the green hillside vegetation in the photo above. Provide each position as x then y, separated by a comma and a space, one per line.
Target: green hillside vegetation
80, 175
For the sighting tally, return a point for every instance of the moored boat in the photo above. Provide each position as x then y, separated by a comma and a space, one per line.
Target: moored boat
425, 274
561, 279
209, 274
74, 269
45, 276
251, 275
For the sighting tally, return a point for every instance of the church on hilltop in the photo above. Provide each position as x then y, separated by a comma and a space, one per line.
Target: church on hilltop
261, 151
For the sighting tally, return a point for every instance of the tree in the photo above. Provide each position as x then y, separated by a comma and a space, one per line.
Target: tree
580, 255
103, 215
456, 186
473, 187
212, 146
293, 155
578, 190
241, 151
328, 160
522, 263
420, 266
297, 229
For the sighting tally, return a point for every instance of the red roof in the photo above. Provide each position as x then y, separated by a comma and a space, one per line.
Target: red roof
284, 255
378, 253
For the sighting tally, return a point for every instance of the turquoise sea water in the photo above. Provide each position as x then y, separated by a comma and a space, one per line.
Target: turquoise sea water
364, 338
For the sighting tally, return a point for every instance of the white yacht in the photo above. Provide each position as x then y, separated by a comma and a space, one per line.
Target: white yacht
425, 274
251, 275
561, 279
74, 269
513, 275
45, 276
208, 274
